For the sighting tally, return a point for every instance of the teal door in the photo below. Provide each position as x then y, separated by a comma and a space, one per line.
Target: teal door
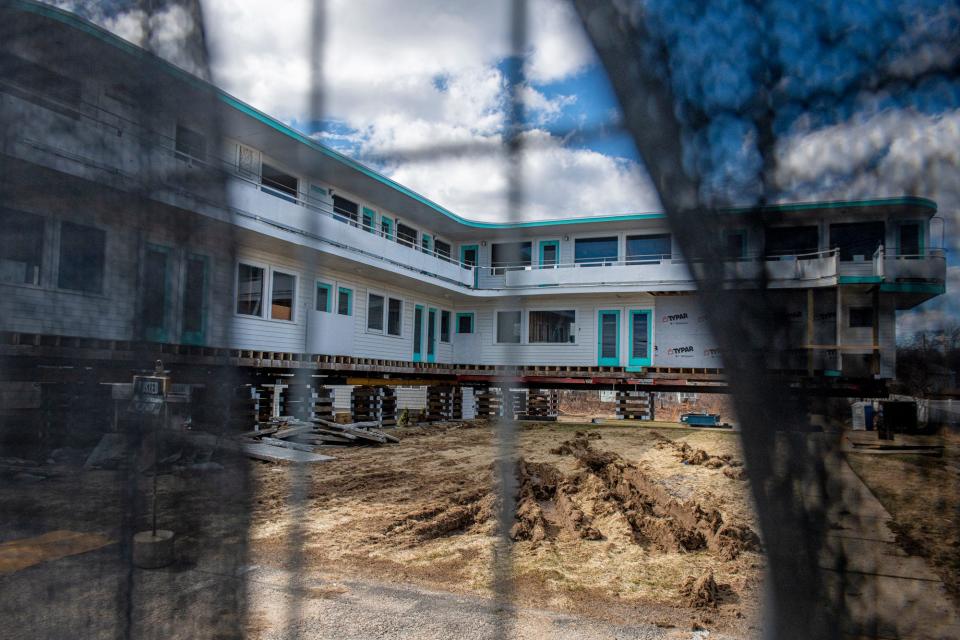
608, 338
418, 333
470, 256
193, 318
155, 305
549, 253
432, 335
639, 340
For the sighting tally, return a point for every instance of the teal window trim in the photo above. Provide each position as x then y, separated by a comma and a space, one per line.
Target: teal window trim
449, 328
543, 245
639, 362
161, 333
372, 227
920, 235
197, 337
432, 328
743, 244
386, 227
418, 330
601, 361
472, 322
329, 290
349, 292
476, 272
426, 242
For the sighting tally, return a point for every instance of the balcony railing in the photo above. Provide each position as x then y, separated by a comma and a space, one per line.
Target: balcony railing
927, 267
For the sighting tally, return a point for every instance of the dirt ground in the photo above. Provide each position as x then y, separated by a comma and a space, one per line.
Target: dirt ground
922, 494
621, 523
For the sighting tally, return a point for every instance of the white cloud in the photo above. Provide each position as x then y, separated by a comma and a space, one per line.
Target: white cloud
400, 77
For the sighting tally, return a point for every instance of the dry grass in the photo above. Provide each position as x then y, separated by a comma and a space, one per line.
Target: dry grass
356, 502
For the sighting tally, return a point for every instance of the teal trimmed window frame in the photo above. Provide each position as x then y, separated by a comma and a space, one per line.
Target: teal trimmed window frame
543, 245
368, 213
196, 337
316, 298
161, 332
426, 243
386, 227
473, 322
920, 235
613, 361
349, 292
642, 361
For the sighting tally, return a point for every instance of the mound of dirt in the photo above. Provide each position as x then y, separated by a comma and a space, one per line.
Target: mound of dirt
691, 455
546, 505
658, 518
580, 440
735, 473
700, 592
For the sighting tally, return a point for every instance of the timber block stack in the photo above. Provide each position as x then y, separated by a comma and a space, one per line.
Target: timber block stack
517, 402
388, 407
374, 404
634, 405
245, 408
271, 404
323, 403
298, 401
489, 403
444, 402
542, 403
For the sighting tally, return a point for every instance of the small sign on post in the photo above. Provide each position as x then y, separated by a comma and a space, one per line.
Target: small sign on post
149, 394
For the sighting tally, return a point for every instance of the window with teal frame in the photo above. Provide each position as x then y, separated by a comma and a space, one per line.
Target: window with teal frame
345, 301
324, 299
465, 322
425, 242
369, 220
386, 227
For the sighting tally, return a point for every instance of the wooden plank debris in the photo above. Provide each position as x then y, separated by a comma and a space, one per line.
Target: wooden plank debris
270, 453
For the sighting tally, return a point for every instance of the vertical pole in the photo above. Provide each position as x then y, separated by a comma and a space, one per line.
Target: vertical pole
839, 327
810, 338
875, 360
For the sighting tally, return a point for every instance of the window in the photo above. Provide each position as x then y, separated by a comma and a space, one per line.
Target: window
374, 312
444, 326
190, 144
910, 242
345, 301
442, 248
510, 255
250, 281
394, 317
406, 235
369, 215
861, 317
21, 247
786, 241
282, 296
549, 253
595, 251
194, 295
551, 326
508, 327
279, 183
856, 239
82, 256
155, 276
464, 323
648, 249
425, 243
324, 297
345, 210
736, 245
386, 228
37, 78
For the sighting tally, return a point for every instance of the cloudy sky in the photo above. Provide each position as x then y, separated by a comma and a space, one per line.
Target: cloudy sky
408, 76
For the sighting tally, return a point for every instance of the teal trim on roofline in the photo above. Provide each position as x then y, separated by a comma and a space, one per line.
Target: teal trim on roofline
860, 279
85, 25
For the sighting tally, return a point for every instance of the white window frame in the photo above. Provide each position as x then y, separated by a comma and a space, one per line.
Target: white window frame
496, 326
296, 296
575, 323
236, 287
382, 331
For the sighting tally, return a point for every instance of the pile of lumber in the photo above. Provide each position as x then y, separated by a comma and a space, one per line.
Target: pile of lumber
289, 439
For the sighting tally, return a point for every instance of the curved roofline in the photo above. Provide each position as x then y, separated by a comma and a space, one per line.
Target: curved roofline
80, 23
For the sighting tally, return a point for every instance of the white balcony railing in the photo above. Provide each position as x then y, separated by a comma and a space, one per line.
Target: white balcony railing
928, 267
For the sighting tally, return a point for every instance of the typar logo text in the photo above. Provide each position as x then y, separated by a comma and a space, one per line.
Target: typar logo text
675, 317
685, 351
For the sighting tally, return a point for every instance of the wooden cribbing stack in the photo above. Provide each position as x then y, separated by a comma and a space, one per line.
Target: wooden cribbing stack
634, 405
323, 403
444, 402
489, 403
374, 404
542, 404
